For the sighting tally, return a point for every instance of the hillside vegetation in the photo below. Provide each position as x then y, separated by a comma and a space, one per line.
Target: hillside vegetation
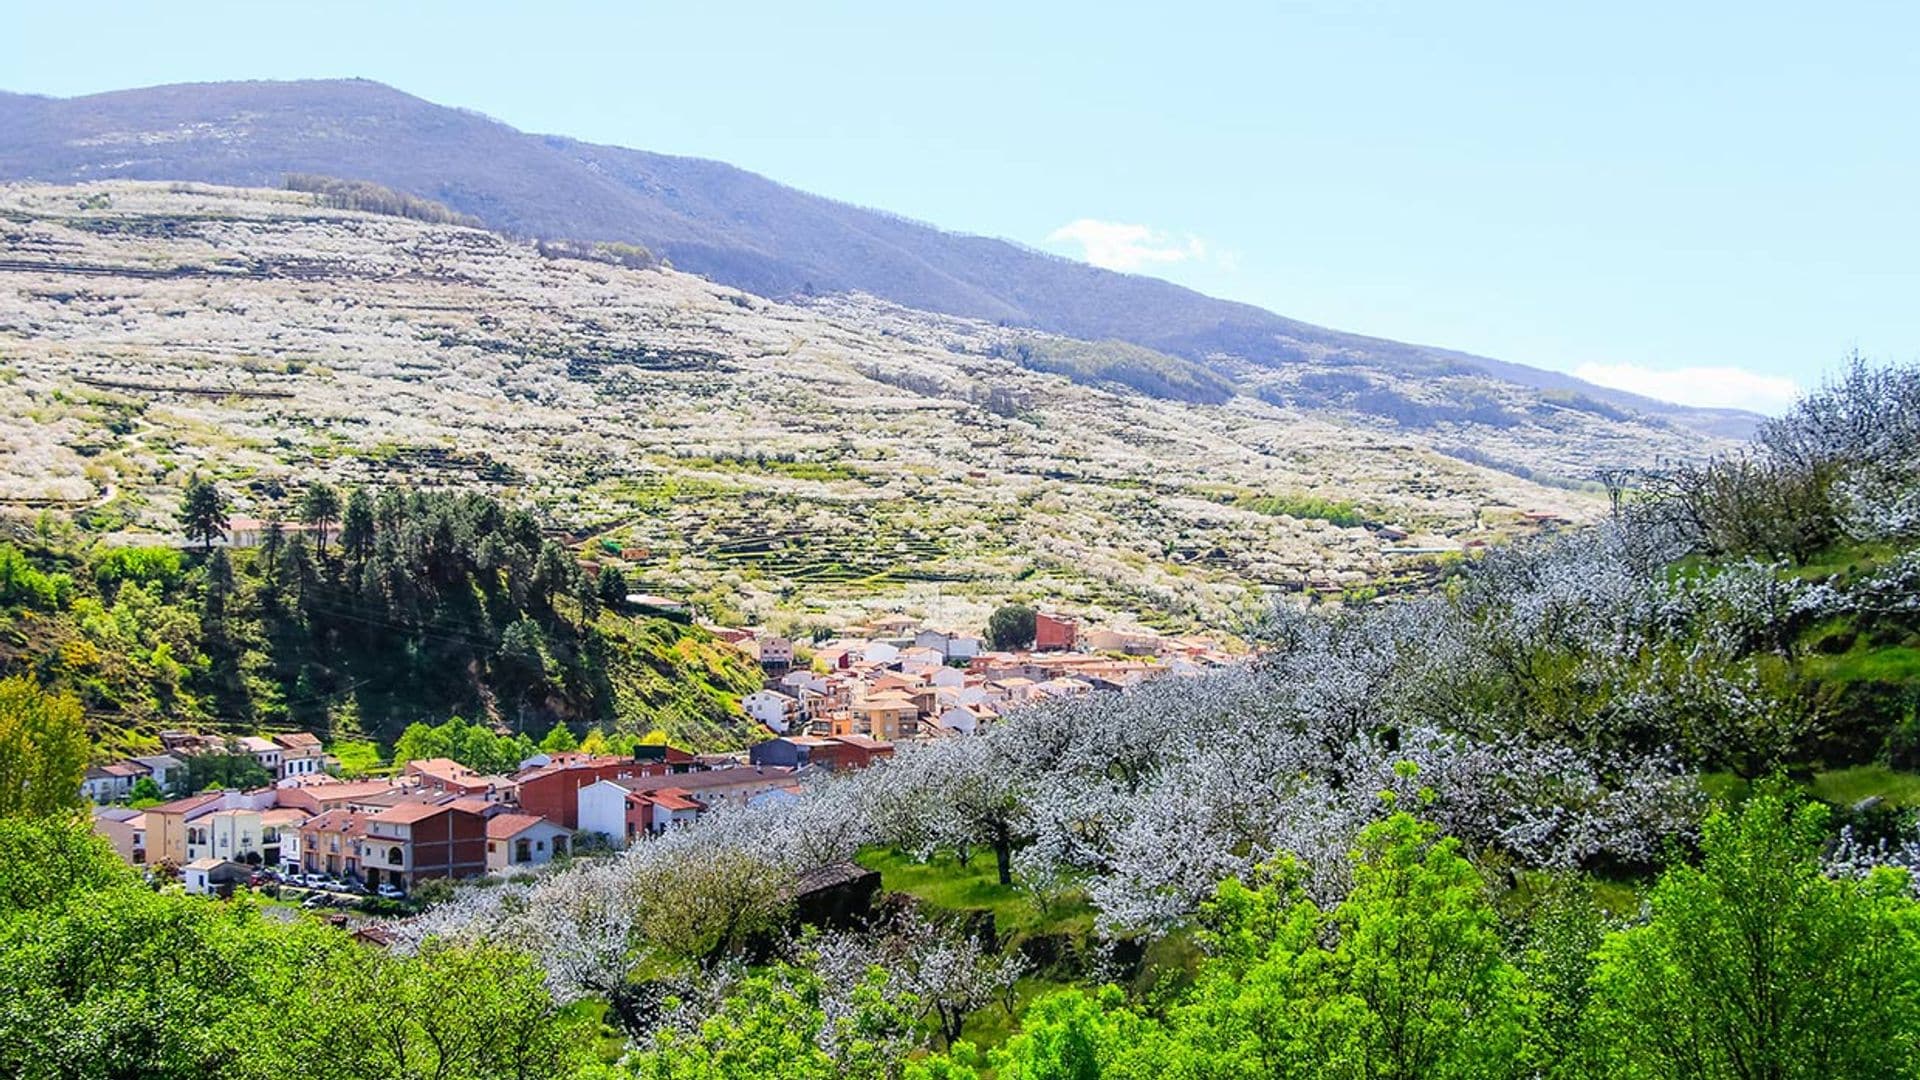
1558, 819
392, 608
798, 466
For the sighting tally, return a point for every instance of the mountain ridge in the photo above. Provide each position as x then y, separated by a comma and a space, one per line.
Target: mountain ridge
708, 217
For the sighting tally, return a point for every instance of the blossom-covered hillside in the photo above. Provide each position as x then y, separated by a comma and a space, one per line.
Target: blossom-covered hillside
771, 462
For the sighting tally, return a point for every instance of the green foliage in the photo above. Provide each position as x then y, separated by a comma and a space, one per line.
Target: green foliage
43, 749
203, 512
1076, 1035
1305, 507
1405, 979
1011, 626
213, 772
1755, 964
470, 744
24, 585
46, 860
559, 740
357, 757
155, 568
773, 1027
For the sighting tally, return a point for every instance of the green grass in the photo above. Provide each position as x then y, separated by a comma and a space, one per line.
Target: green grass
1844, 787
992, 1026
1840, 787
1892, 664
942, 882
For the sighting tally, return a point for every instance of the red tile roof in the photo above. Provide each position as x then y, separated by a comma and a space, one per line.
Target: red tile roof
508, 826
409, 813
187, 805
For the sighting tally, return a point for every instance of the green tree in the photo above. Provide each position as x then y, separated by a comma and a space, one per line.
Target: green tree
357, 533
1757, 966
1011, 626
320, 509
230, 769
145, 792
421, 741
43, 749
773, 1027
46, 860
611, 584
1076, 1035
1404, 980
203, 512
559, 740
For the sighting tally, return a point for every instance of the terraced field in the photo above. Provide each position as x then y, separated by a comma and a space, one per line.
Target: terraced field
774, 462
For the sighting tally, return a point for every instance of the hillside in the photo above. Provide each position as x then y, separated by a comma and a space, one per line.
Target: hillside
796, 464
709, 218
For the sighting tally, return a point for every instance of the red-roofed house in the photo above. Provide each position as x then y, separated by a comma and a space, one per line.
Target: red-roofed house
407, 844
330, 842
553, 791
515, 841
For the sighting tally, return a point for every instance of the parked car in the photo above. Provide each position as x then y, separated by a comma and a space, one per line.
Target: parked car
391, 892
317, 900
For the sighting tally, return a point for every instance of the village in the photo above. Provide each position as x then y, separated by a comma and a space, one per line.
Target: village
827, 706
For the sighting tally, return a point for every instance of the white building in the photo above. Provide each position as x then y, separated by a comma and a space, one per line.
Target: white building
772, 708
516, 841
603, 810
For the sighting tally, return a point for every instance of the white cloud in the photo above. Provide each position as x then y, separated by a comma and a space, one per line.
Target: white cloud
1115, 245
1726, 387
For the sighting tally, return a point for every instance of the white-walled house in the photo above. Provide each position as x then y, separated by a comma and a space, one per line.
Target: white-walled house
775, 710
603, 810
950, 645
516, 841
111, 782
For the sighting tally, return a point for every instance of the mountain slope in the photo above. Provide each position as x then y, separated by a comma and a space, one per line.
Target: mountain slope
709, 218
805, 464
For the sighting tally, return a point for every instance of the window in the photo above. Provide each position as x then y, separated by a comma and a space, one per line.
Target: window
394, 858
522, 851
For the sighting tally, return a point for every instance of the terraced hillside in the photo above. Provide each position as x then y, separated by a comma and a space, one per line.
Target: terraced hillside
779, 462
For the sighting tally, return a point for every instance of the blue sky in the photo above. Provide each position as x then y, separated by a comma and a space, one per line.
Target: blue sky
1709, 202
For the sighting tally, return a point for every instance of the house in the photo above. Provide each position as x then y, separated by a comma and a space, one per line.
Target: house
231, 833
776, 710
1132, 642
950, 644
324, 793
267, 752
963, 719
552, 791
214, 877
515, 841
448, 775
164, 768
330, 842
789, 751
613, 813
407, 844
301, 754
1053, 633
168, 822
669, 807
280, 836
888, 715
859, 751
125, 829
776, 652
112, 782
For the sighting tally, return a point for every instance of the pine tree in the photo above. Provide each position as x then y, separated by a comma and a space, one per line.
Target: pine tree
203, 512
